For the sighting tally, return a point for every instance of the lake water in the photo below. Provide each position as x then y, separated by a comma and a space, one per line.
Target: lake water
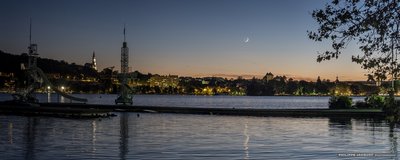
185, 136
270, 102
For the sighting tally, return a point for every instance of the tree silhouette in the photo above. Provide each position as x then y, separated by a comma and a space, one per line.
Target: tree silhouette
374, 25
291, 87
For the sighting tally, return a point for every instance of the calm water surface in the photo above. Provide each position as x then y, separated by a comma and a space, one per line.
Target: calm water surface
181, 136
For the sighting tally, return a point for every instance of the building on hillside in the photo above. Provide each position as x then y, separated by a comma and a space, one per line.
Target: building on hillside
268, 76
164, 81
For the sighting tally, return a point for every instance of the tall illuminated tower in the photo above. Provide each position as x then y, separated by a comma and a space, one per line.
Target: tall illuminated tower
124, 96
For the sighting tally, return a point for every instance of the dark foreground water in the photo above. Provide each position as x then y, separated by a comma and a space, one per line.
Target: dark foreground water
181, 136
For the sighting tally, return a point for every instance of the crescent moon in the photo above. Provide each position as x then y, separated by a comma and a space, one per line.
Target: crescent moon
247, 40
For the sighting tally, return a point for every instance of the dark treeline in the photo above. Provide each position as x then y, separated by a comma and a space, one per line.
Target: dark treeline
280, 85
10, 63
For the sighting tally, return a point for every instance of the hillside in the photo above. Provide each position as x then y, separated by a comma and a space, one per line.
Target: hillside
11, 63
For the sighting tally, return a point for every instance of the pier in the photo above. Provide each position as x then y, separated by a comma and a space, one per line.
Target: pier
105, 110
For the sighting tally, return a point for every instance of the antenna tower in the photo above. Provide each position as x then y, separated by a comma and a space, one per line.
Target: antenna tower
125, 97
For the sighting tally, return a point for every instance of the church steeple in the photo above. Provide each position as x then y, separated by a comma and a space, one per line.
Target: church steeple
94, 65
337, 79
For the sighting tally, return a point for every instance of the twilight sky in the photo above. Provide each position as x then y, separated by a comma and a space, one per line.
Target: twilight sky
182, 37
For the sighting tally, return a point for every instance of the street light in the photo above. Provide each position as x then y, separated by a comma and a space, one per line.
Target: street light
48, 94
61, 98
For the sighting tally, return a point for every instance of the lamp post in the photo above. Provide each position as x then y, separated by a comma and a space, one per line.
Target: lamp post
62, 90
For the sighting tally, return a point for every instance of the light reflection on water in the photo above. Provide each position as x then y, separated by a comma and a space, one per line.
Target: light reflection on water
176, 136
246, 141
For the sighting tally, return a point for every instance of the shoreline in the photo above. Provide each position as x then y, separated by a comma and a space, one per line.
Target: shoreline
198, 95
